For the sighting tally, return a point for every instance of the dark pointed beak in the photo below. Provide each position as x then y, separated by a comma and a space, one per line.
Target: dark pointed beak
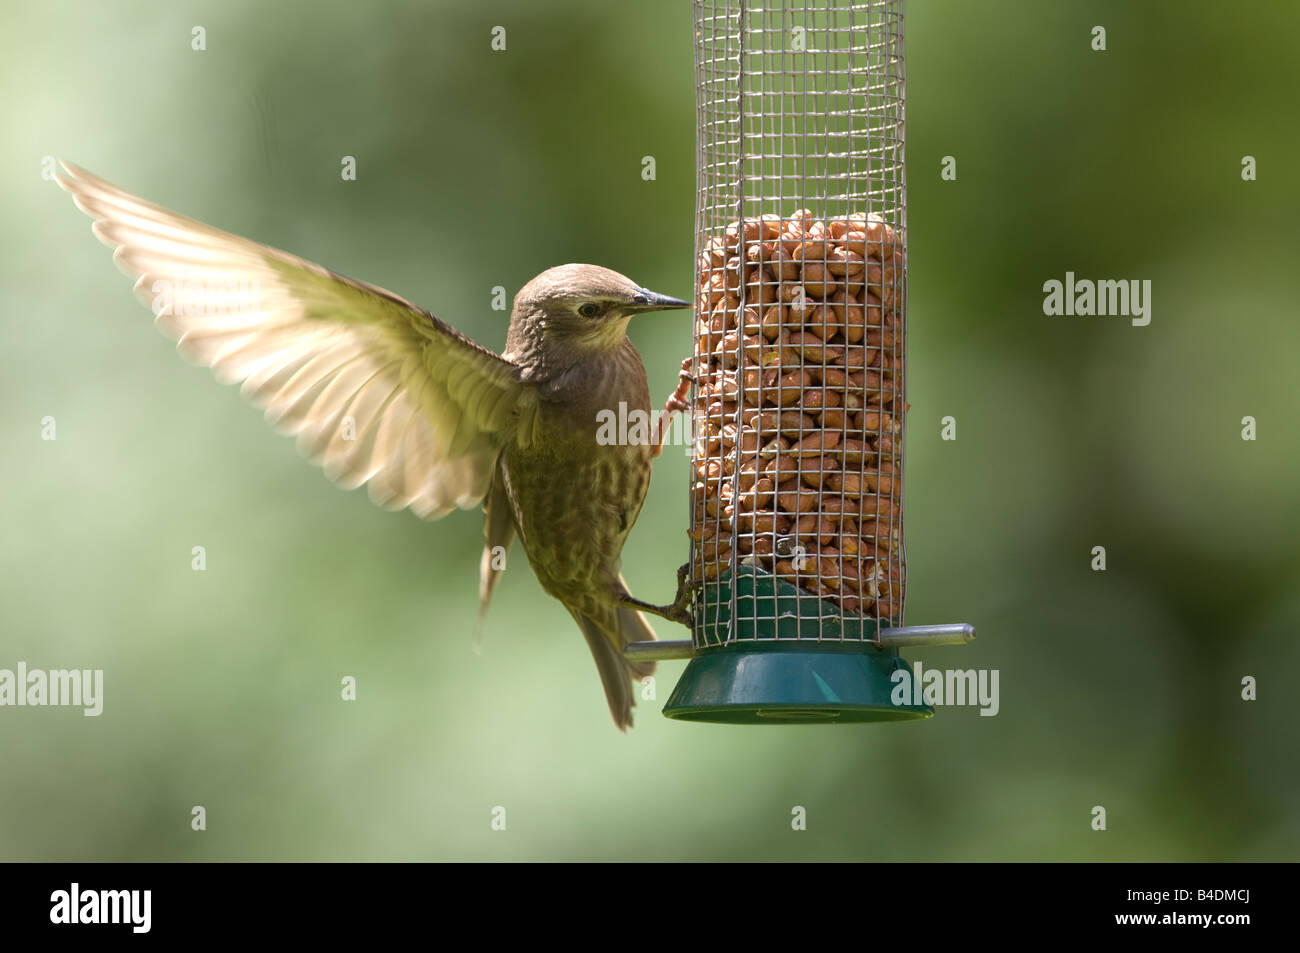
645, 300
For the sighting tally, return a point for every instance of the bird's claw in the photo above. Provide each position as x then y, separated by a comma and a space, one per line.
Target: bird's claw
677, 402
679, 610
677, 399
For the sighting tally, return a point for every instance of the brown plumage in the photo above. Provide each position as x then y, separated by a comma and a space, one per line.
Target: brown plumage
379, 391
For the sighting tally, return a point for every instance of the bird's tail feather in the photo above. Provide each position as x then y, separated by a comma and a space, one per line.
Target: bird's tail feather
616, 672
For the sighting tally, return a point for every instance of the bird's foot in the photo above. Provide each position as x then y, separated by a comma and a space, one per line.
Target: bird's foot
679, 610
677, 402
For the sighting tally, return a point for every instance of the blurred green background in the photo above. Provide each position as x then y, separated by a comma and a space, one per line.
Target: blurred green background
478, 169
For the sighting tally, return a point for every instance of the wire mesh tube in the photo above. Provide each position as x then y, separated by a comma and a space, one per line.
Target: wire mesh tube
800, 320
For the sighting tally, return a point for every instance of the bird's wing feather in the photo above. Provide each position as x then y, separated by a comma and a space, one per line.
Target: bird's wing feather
498, 531
376, 389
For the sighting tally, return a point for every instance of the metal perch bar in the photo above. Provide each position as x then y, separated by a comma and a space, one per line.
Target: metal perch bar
956, 633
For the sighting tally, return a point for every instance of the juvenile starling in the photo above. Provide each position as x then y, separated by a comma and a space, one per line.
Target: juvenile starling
379, 391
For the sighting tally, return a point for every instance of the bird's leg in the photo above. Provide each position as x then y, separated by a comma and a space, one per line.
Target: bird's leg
677, 401
679, 610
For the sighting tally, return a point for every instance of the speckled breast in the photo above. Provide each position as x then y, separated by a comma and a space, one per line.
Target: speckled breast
577, 491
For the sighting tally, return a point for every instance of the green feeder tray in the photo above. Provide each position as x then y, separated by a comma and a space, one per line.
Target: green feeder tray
755, 670
777, 683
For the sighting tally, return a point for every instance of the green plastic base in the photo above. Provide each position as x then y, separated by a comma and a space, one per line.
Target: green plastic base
791, 683
767, 666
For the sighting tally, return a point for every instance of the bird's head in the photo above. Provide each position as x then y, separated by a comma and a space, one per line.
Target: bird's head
573, 311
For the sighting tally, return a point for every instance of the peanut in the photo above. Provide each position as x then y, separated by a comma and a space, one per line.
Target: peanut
798, 408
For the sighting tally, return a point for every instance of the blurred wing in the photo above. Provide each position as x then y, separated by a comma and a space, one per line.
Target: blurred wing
377, 390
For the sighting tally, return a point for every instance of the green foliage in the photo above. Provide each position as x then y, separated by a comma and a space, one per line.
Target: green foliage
478, 168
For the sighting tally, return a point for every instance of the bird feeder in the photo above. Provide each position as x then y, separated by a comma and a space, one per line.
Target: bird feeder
799, 368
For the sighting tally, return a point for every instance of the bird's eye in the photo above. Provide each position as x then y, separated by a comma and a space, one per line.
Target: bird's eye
589, 310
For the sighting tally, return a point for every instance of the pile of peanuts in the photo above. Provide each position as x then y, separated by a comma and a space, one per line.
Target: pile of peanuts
798, 408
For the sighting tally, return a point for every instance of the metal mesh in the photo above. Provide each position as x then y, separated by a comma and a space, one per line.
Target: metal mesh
799, 361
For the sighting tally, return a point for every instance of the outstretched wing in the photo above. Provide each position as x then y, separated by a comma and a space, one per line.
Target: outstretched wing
377, 390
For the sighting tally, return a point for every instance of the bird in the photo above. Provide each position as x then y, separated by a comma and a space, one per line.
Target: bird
379, 391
